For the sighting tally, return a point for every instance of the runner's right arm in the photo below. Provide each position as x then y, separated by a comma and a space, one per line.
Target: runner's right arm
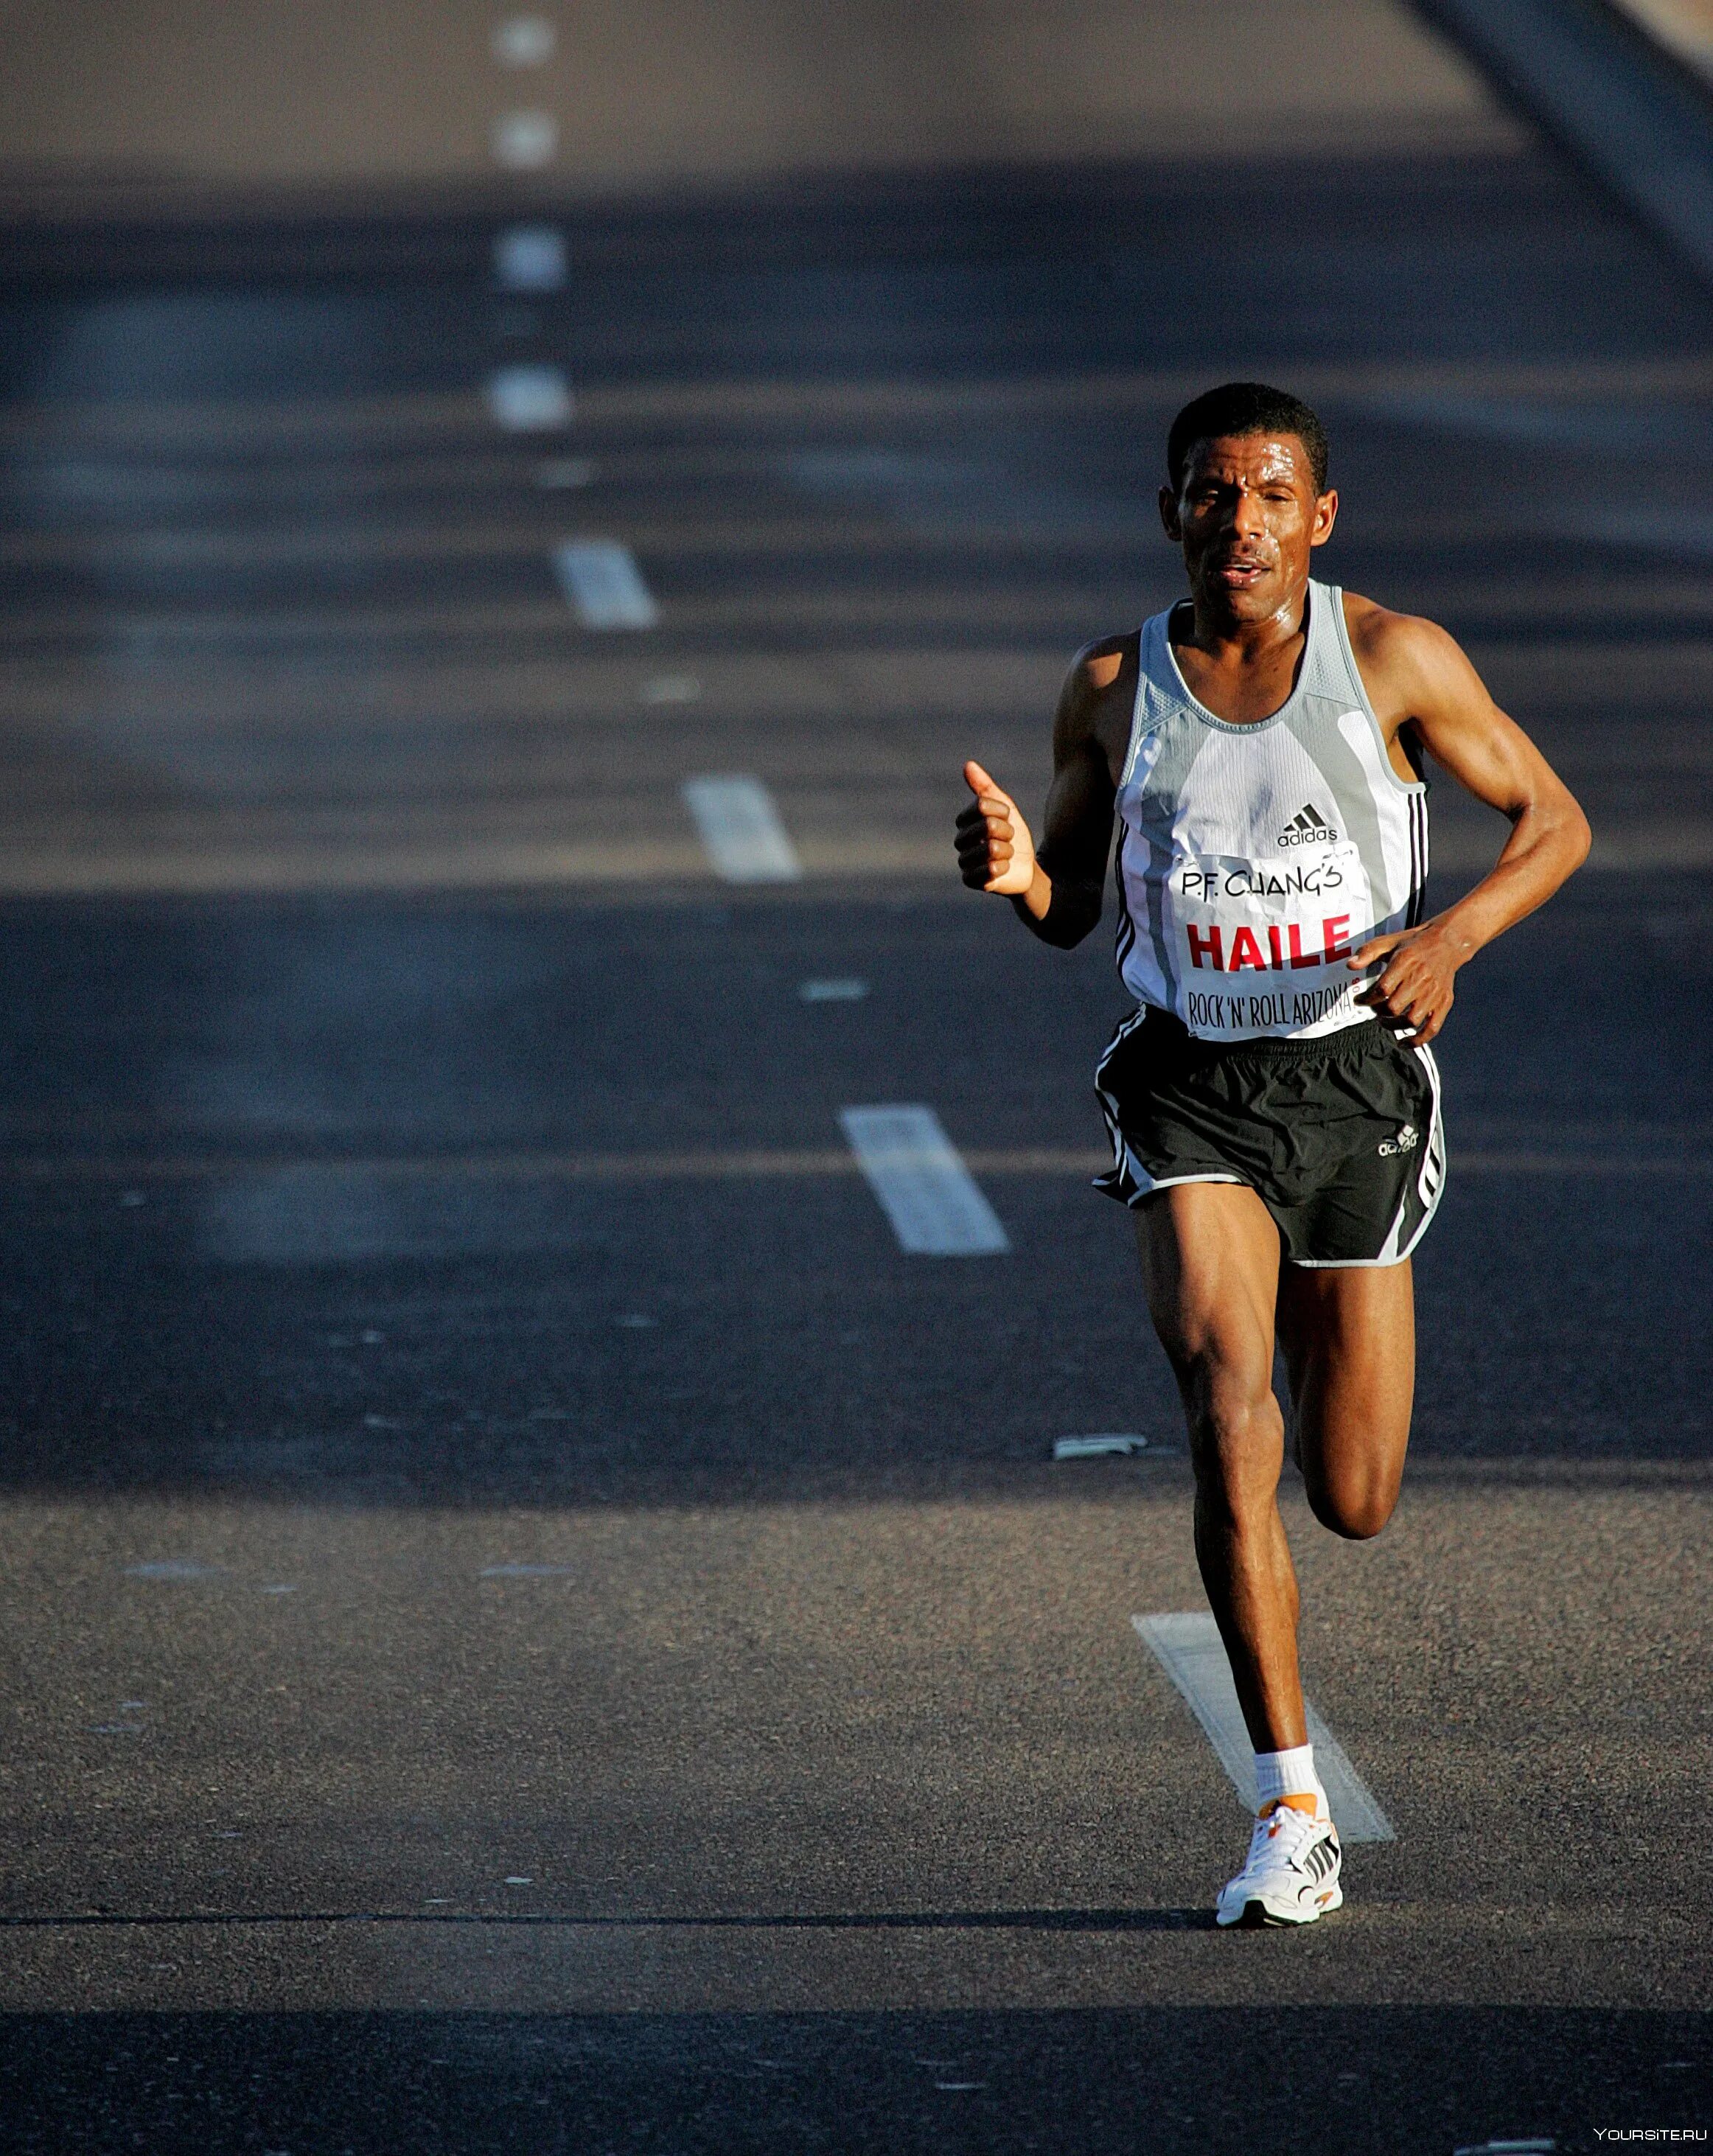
1057, 890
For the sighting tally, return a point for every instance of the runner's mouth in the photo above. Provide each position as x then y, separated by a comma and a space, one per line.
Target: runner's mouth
1239, 573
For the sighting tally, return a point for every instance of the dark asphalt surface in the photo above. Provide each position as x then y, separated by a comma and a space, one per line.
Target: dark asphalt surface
613, 1669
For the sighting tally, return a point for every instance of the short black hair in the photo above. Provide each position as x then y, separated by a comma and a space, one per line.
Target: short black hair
1244, 408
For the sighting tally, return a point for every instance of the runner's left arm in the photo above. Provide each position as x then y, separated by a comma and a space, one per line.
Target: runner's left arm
1055, 890
1456, 722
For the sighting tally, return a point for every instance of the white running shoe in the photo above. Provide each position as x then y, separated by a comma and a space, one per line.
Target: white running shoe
1291, 1876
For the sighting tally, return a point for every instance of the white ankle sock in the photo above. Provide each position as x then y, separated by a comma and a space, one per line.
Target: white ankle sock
1287, 1774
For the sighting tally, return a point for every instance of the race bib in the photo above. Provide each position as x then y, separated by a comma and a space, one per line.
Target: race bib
1263, 945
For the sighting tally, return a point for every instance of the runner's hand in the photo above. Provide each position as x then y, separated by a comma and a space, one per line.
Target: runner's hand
1412, 990
995, 851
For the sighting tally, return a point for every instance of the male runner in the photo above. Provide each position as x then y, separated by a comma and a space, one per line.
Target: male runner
1273, 1103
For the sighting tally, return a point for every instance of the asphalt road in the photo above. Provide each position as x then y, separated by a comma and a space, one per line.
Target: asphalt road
532, 1624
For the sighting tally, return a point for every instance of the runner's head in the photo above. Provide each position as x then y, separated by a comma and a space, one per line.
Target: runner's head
1248, 499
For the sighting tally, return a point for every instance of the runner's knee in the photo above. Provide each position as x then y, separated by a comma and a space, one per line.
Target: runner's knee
1355, 1512
1237, 1444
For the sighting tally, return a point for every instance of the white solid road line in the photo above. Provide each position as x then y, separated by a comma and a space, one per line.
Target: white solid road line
529, 258
529, 400
1187, 1646
605, 586
934, 1205
741, 830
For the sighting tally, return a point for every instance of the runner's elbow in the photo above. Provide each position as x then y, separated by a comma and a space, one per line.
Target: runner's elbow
1074, 910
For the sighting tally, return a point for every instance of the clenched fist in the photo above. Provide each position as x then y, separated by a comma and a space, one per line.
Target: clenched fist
995, 851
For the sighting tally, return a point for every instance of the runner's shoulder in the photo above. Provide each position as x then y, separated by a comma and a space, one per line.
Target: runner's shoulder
1092, 719
1403, 656
1100, 667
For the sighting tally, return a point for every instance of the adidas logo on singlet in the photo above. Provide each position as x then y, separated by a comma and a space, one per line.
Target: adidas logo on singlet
1307, 825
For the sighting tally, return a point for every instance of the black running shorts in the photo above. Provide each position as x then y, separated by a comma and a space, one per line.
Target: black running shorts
1339, 1136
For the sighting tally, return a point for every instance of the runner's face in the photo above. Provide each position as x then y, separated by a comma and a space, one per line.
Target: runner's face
1248, 518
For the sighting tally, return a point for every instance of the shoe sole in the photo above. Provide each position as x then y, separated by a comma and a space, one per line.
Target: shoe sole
1260, 1912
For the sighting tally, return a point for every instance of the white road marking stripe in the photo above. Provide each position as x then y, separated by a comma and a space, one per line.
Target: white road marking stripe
554, 472
605, 586
525, 141
523, 41
851, 991
934, 1203
1102, 1444
528, 400
529, 258
670, 688
1187, 1646
740, 829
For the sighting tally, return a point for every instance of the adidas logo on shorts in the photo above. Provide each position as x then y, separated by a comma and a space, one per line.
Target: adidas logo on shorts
1408, 1139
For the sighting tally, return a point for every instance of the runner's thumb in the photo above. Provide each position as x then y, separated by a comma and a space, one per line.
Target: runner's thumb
978, 781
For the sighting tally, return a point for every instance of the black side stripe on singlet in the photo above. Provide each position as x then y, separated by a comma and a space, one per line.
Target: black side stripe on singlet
1418, 865
1126, 926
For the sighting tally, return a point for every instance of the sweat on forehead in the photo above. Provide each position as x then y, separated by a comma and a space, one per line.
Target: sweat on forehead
1242, 408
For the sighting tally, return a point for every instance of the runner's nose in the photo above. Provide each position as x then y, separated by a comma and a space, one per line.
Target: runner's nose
1247, 517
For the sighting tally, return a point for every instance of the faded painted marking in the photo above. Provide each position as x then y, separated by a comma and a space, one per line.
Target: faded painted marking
1187, 1646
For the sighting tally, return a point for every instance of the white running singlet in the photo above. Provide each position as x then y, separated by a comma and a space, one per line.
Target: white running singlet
1253, 860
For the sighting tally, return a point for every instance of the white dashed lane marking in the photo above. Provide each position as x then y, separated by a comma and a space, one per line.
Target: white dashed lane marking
934, 1205
741, 830
529, 258
524, 141
670, 688
530, 400
553, 473
601, 579
1187, 1646
523, 41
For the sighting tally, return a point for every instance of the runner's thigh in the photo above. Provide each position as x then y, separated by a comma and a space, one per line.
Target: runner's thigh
1210, 1267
